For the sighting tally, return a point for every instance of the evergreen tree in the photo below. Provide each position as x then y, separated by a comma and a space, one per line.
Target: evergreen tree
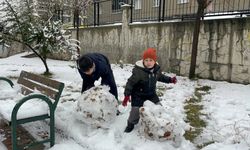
21, 23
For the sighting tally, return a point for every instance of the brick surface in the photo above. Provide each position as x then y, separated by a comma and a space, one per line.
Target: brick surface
24, 137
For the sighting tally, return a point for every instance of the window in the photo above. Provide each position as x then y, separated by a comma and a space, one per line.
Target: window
137, 4
156, 3
182, 1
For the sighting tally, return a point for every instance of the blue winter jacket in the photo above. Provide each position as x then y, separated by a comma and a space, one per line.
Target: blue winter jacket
103, 70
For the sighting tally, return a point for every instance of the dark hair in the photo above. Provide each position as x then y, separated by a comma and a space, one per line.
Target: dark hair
84, 63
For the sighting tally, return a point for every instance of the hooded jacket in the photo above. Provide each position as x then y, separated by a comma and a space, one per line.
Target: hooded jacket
142, 83
103, 70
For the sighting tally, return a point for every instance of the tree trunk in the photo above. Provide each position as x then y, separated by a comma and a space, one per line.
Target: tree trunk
77, 22
46, 66
77, 30
44, 60
200, 12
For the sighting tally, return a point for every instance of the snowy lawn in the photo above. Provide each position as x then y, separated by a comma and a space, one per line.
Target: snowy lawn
226, 107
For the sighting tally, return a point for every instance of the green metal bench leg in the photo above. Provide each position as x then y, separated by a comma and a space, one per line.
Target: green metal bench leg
52, 129
14, 132
14, 135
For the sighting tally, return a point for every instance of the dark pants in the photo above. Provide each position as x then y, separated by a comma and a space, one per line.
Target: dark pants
134, 115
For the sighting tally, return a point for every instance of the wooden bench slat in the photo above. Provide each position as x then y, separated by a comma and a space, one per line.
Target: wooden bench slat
29, 86
50, 83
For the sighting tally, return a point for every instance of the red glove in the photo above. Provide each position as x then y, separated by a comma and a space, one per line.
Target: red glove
173, 80
125, 100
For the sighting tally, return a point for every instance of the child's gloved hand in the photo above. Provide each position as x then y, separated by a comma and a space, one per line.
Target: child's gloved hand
173, 80
125, 100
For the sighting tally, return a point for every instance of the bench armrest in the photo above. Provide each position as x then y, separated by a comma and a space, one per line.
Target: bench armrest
30, 97
7, 80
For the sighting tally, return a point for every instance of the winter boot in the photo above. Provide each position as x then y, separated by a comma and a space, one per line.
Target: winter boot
129, 127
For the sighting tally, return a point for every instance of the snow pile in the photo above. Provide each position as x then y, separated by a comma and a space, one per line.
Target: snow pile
97, 107
158, 124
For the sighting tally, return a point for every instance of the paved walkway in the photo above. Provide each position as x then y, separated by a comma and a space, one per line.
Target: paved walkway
24, 137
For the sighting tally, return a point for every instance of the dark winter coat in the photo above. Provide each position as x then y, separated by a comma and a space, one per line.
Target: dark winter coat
103, 70
142, 84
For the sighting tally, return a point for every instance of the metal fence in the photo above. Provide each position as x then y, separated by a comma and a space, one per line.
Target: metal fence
103, 12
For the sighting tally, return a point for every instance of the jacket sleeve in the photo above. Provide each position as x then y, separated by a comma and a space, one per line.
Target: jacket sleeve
108, 79
164, 78
133, 79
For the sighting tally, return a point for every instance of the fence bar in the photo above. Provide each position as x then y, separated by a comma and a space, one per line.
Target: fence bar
94, 13
98, 13
131, 11
163, 11
159, 11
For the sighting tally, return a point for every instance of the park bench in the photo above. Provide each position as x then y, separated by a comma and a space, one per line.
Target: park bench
36, 90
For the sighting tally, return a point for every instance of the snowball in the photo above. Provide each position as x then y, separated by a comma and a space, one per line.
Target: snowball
97, 107
158, 124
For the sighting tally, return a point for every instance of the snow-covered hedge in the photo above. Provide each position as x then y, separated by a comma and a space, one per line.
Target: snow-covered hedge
97, 107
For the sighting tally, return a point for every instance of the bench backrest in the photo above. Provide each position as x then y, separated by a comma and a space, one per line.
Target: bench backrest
31, 83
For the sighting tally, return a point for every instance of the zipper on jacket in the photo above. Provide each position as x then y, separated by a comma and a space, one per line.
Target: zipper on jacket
149, 82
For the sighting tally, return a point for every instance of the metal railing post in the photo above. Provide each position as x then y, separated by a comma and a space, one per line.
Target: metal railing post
159, 13
98, 13
131, 11
163, 10
94, 13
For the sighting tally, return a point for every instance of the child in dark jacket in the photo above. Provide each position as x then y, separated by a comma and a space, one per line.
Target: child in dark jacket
141, 86
93, 66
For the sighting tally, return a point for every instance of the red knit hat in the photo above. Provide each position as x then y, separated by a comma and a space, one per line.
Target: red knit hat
149, 53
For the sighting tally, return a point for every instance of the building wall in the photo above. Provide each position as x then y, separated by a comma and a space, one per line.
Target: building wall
223, 50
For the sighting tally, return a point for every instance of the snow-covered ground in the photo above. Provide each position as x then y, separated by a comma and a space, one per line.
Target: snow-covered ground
227, 109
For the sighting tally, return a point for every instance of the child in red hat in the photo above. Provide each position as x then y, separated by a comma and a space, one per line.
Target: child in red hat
141, 86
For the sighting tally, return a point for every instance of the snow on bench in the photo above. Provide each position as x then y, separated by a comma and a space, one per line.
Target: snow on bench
29, 109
